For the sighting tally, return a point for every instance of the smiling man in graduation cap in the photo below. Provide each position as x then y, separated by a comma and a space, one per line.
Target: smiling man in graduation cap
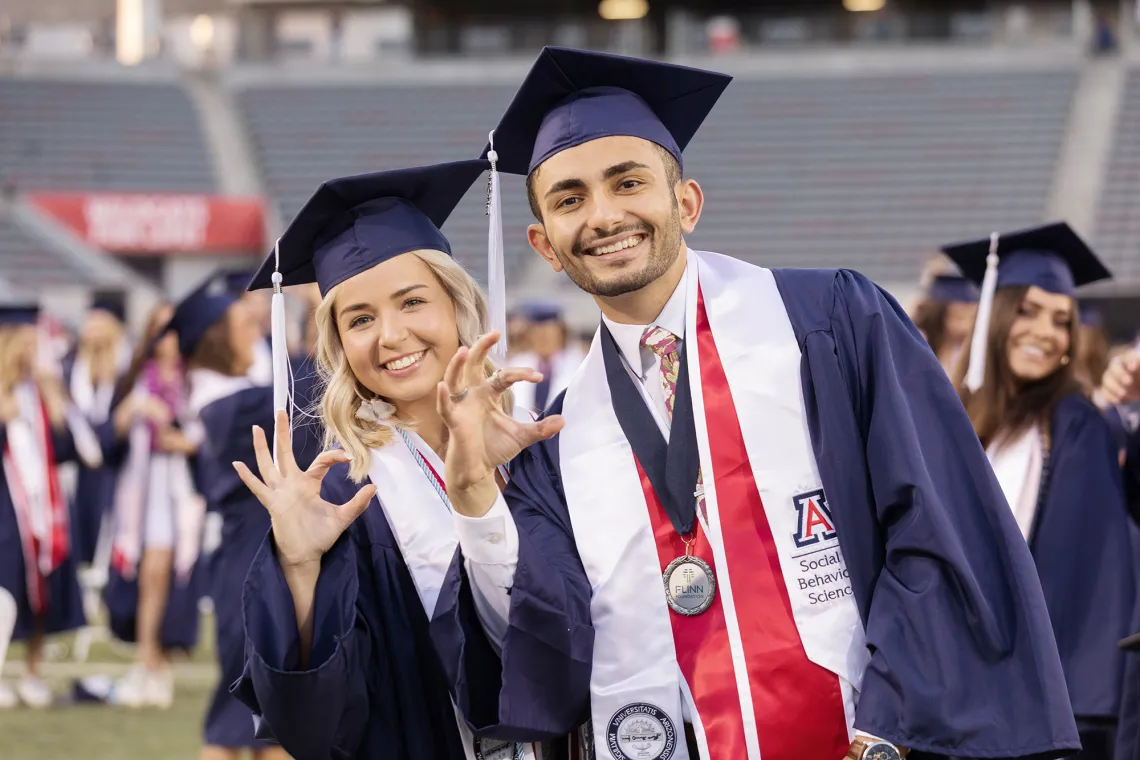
779, 446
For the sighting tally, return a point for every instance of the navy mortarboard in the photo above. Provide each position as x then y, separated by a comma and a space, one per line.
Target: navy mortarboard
574, 96
111, 302
19, 314
1052, 257
237, 280
198, 311
354, 223
952, 288
541, 311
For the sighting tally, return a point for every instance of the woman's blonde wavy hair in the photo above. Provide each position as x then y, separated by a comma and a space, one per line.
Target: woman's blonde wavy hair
12, 373
342, 394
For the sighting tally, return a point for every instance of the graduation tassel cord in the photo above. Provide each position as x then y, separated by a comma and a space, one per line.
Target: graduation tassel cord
976, 371
280, 350
496, 264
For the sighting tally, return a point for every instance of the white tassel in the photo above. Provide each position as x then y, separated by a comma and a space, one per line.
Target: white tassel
976, 371
281, 369
496, 264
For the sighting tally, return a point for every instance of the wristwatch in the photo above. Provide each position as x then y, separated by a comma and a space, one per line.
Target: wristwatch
873, 749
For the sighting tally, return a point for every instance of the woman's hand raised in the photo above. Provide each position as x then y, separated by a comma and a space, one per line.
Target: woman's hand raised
481, 436
305, 526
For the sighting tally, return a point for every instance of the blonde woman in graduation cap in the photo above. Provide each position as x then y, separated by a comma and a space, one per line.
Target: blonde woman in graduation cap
339, 599
39, 430
1053, 453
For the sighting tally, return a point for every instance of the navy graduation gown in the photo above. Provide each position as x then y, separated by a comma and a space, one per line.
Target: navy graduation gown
227, 423
64, 598
374, 688
1081, 543
94, 498
1128, 731
963, 661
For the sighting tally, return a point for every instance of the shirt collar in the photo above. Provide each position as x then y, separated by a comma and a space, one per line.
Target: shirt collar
672, 318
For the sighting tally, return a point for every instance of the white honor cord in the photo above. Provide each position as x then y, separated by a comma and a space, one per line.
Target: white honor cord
429, 474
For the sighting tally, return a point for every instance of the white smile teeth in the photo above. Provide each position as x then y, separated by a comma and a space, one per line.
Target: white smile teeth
620, 245
405, 362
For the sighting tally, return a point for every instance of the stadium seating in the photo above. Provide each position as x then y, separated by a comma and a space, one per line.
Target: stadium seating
875, 172
1118, 220
100, 135
870, 171
304, 135
29, 266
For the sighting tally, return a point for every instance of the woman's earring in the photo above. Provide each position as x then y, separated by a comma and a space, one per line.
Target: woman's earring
1065, 360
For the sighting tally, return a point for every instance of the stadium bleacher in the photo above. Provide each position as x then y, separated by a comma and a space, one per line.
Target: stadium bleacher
101, 135
304, 135
1118, 218
875, 172
27, 265
868, 172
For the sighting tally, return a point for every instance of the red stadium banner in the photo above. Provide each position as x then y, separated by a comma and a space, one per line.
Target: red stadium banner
145, 223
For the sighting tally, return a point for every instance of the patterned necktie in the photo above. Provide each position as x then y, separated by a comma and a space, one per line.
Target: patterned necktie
664, 343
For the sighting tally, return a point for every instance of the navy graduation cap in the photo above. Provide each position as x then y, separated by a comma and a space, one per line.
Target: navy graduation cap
352, 224
541, 311
954, 288
237, 280
12, 315
198, 312
111, 302
1052, 257
574, 96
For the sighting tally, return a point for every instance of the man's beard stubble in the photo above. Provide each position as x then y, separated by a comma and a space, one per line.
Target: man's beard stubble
663, 251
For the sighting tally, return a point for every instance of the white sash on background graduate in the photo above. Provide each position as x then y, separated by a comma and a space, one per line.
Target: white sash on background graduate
33, 483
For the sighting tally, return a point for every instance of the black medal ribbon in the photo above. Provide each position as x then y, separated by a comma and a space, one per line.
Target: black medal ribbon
671, 467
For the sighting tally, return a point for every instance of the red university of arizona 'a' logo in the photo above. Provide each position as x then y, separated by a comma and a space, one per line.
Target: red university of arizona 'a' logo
814, 524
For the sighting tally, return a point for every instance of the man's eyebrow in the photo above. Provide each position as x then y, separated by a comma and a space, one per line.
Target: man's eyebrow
565, 184
622, 168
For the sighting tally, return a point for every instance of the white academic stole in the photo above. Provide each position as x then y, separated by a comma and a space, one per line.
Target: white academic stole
425, 531
31, 471
654, 669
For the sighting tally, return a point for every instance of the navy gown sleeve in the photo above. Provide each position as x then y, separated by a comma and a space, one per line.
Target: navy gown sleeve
963, 661
541, 689
320, 713
1081, 543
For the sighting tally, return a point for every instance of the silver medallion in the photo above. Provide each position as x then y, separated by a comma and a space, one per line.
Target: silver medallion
690, 585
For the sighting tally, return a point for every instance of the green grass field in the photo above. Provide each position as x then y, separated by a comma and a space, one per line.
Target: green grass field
103, 733
97, 732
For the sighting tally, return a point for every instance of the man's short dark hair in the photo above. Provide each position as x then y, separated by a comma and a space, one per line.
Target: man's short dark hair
672, 176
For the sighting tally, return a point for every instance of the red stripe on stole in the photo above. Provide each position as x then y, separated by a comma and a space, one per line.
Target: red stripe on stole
701, 641
60, 528
798, 704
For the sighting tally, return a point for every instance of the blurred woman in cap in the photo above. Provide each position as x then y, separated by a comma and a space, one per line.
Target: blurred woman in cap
39, 591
